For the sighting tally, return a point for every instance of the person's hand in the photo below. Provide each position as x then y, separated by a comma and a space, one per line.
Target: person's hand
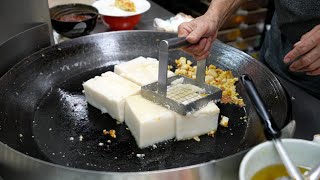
307, 53
201, 32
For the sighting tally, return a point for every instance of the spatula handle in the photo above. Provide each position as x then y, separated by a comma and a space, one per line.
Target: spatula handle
164, 48
293, 171
176, 43
270, 127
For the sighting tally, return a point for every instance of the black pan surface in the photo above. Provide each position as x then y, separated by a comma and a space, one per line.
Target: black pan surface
43, 111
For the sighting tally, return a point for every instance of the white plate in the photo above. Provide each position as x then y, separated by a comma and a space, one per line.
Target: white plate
107, 8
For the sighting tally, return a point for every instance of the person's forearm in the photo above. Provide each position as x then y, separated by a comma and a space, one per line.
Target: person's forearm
220, 10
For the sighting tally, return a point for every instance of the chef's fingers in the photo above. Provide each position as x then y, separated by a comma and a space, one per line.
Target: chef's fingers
311, 33
200, 51
302, 47
198, 32
190, 49
315, 72
203, 56
184, 29
306, 62
209, 43
313, 66
206, 50
200, 47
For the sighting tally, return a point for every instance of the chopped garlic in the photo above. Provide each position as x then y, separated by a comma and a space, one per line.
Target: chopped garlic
113, 133
224, 121
80, 138
105, 132
211, 133
140, 155
215, 77
196, 138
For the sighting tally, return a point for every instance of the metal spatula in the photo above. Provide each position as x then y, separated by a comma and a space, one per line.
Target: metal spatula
272, 132
175, 93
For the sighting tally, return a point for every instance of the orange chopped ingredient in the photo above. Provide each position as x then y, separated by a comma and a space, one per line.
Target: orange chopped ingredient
215, 77
105, 132
111, 132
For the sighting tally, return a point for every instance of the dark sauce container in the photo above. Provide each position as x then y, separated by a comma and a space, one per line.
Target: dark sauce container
73, 20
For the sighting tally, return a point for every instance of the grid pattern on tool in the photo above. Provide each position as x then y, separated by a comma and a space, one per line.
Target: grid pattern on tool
184, 93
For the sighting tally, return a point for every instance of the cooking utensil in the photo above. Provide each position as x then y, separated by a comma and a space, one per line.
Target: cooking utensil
272, 132
43, 111
314, 173
180, 99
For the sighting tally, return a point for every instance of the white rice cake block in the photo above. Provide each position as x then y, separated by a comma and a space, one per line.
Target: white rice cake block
197, 123
148, 122
108, 92
140, 70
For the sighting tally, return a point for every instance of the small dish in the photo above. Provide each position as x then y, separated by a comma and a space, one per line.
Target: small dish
73, 20
117, 19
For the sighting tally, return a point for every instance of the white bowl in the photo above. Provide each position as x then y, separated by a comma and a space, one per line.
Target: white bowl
302, 152
117, 19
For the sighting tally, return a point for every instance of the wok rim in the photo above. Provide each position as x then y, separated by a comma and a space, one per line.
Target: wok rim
125, 173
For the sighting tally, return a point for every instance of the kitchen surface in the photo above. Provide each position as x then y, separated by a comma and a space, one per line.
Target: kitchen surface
59, 84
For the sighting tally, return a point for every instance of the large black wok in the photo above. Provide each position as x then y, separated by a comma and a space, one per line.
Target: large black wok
42, 107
